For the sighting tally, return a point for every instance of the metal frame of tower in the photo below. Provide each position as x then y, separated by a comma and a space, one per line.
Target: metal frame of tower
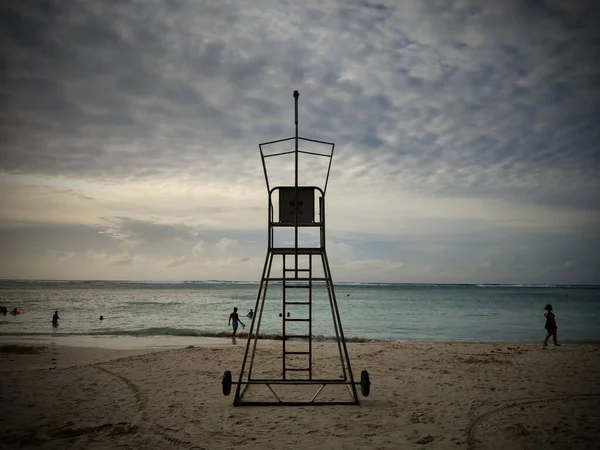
301, 278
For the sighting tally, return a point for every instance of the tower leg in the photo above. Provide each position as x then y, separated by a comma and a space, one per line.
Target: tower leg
337, 322
253, 337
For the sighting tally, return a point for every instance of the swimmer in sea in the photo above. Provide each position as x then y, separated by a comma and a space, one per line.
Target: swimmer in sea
55, 319
250, 314
233, 320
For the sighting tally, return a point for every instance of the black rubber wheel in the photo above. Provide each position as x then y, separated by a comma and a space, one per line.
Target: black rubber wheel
365, 383
227, 382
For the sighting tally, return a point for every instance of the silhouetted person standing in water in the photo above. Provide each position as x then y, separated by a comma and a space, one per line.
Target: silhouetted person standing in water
250, 314
233, 317
550, 326
55, 319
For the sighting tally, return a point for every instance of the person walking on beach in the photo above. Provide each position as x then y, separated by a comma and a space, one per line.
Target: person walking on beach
233, 320
55, 319
550, 326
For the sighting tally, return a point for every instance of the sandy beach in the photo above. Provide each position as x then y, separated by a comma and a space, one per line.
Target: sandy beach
423, 395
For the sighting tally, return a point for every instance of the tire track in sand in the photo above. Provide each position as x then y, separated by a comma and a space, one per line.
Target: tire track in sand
155, 428
516, 403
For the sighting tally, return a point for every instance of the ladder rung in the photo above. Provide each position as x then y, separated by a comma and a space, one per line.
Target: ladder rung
296, 303
296, 320
299, 251
294, 278
297, 270
297, 353
305, 336
321, 279
291, 224
296, 370
296, 286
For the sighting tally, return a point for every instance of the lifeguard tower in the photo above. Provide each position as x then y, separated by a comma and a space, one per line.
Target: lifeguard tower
298, 270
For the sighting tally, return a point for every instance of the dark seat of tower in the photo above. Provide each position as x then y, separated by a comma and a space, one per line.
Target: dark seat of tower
304, 208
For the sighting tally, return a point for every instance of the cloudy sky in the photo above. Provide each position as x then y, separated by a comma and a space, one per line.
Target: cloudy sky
467, 136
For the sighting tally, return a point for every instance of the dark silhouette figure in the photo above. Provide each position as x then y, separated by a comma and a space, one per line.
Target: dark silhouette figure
55, 319
101, 317
234, 318
550, 326
250, 314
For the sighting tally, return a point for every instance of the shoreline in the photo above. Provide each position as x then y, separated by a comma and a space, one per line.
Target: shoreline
132, 342
115, 342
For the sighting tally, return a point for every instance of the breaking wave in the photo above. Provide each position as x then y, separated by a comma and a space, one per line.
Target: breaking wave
187, 332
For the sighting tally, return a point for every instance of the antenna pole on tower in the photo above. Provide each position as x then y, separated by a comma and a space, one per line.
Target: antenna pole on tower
296, 95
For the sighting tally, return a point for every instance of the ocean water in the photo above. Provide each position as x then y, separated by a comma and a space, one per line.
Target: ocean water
369, 312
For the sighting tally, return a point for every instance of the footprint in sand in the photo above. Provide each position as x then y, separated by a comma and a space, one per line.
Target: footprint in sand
426, 440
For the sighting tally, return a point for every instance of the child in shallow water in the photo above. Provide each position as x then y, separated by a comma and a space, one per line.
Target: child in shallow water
550, 326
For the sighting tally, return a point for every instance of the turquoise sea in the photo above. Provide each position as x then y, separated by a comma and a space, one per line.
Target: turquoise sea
397, 312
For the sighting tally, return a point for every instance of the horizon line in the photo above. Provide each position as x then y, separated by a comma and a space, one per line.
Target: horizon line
258, 282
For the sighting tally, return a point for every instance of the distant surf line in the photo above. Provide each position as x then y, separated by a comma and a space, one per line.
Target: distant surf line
186, 332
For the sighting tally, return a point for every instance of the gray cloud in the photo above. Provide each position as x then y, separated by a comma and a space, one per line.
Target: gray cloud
462, 100
171, 90
63, 238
